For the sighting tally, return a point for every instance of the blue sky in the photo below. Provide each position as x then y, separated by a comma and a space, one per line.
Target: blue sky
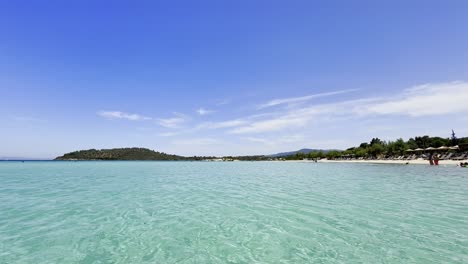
228, 77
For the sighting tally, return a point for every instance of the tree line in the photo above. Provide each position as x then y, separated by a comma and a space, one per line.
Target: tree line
372, 149
119, 154
377, 147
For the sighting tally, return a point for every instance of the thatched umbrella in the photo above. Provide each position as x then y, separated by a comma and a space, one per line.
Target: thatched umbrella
409, 150
419, 149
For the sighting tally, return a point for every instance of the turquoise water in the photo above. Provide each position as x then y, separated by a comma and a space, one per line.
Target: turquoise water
238, 212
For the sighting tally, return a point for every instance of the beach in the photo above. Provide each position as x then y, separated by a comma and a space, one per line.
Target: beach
409, 162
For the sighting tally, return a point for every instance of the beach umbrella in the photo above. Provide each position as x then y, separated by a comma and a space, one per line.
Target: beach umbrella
419, 149
443, 148
409, 150
430, 148
454, 147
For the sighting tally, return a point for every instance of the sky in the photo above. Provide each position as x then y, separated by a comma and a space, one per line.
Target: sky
228, 77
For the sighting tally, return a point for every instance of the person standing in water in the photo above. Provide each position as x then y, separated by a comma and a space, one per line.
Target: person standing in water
431, 162
436, 159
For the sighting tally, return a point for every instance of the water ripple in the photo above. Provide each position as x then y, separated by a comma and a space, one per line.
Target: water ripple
243, 212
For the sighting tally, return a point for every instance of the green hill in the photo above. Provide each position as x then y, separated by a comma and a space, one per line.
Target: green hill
118, 154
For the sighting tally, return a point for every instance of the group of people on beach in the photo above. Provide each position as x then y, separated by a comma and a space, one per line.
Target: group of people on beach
434, 159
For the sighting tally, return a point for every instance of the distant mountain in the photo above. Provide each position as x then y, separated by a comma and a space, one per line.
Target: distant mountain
119, 154
304, 150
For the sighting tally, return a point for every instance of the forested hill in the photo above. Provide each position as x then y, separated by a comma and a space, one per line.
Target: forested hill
118, 154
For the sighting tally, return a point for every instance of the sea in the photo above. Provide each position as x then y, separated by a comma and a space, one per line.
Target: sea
231, 212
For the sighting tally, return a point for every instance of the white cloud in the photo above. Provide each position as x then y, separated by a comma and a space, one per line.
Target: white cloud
423, 100
168, 134
173, 122
230, 123
122, 115
276, 130
197, 141
203, 111
276, 140
271, 125
292, 100
27, 119
259, 140
290, 119
223, 124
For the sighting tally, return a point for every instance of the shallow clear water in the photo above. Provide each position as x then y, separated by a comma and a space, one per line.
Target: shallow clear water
238, 212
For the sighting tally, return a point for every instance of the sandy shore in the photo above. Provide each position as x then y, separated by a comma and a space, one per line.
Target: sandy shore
414, 162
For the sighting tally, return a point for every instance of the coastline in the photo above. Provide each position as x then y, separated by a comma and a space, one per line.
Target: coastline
408, 162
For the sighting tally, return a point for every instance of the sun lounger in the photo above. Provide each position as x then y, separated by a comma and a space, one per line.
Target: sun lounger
461, 157
447, 156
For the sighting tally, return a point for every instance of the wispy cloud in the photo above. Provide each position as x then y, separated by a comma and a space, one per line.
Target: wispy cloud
223, 124
293, 100
173, 122
122, 115
197, 141
423, 100
27, 119
202, 111
168, 134
269, 125
277, 129
258, 140
276, 140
